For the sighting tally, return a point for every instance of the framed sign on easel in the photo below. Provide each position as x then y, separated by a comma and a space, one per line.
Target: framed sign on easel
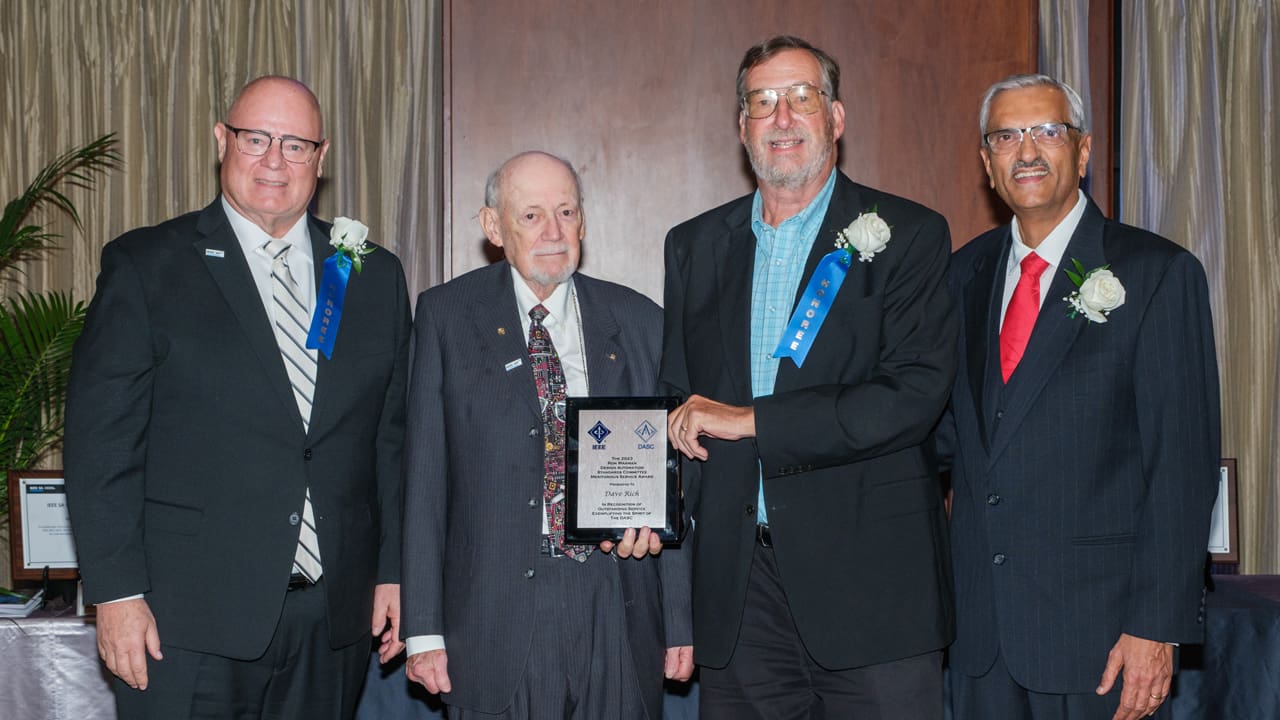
39, 527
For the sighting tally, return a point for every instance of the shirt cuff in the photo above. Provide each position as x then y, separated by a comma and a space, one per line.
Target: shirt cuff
131, 597
423, 643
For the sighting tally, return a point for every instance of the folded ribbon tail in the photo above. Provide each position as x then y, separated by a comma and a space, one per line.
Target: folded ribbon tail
328, 314
814, 305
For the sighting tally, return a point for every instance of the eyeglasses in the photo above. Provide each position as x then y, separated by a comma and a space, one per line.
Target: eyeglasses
258, 142
1048, 135
804, 99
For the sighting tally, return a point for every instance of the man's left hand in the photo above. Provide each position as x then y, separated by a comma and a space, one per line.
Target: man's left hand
386, 611
678, 665
1148, 671
634, 543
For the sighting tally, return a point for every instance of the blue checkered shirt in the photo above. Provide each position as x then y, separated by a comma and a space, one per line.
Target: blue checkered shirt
779, 264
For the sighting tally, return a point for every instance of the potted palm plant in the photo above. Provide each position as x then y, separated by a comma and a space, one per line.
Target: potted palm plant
38, 330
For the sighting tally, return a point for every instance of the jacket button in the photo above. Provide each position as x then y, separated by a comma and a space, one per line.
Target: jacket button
751, 510
998, 559
533, 503
529, 573
993, 499
533, 432
294, 519
306, 454
999, 414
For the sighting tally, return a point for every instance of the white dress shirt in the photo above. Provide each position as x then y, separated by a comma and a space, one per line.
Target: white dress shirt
1051, 250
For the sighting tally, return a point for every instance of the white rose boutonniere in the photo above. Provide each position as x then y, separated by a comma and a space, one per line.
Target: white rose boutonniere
348, 237
868, 235
1099, 292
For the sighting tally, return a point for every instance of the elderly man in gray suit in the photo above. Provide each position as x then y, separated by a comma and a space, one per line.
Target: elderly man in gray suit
502, 617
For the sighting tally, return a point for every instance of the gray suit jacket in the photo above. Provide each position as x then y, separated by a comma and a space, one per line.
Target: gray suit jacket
1083, 485
474, 474
186, 458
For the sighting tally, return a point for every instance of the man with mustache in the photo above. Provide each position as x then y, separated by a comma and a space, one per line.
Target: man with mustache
502, 617
1083, 435
813, 377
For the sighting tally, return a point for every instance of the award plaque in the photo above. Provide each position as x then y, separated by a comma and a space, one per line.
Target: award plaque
620, 471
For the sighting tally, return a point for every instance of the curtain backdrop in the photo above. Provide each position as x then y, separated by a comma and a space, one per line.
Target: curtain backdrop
1200, 128
161, 73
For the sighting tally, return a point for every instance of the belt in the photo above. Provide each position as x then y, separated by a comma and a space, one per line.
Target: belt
297, 581
763, 536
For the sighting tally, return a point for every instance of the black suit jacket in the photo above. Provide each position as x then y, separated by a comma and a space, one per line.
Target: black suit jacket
186, 459
1083, 486
855, 509
474, 478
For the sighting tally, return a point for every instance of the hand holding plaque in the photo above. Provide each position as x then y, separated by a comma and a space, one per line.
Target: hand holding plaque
620, 471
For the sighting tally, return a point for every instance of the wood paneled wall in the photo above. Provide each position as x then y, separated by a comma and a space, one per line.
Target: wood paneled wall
640, 97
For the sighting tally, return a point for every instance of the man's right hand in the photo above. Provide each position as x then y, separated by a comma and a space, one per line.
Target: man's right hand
126, 635
431, 669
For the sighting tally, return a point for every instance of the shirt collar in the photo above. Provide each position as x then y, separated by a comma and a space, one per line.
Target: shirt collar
805, 219
1054, 246
252, 237
556, 304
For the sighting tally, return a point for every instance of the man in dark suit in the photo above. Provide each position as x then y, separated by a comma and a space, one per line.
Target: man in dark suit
1083, 433
235, 496
502, 617
821, 586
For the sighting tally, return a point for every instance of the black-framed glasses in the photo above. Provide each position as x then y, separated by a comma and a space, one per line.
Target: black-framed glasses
1048, 135
804, 99
258, 142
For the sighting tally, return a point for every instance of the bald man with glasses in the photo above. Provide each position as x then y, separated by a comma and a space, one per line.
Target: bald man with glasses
234, 488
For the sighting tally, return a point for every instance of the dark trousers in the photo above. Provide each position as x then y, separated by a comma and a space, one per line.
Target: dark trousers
997, 695
772, 677
580, 664
299, 676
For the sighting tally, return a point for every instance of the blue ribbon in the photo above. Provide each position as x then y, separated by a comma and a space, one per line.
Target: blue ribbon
814, 306
333, 290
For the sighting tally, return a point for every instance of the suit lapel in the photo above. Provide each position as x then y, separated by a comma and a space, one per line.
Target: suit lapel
497, 321
734, 253
1054, 331
982, 297
844, 206
603, 352
230, 271
324, 366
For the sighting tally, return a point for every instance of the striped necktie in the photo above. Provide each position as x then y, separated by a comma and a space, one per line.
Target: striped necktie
290, 314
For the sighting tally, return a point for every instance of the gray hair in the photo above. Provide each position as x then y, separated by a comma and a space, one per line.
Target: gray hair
1013, 82
761, 53
493, 186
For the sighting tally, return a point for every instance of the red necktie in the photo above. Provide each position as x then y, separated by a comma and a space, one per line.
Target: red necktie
1020, 317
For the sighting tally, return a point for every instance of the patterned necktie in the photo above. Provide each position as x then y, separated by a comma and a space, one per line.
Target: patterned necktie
291, 313
1021, 314
549, 377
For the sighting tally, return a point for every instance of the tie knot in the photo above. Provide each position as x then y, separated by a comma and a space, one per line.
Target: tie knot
275, 249
1033, 266
538, 313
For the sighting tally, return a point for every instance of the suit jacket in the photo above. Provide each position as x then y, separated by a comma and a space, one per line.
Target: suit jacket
854, 507
1083, 486
474, 482
186, 458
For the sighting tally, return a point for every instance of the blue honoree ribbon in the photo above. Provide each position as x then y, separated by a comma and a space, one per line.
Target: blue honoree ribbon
814, 306
333, 290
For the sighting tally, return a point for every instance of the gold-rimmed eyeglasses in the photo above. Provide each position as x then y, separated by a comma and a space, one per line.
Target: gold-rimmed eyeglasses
804, 99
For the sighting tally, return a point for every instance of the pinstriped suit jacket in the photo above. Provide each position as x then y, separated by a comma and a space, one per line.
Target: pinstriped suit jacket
1083, 486
474, 475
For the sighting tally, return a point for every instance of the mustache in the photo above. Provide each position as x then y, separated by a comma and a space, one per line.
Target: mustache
556, 248
1023, 164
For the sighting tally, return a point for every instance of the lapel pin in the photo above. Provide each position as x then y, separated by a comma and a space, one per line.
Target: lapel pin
210, 252
612, 356
502, 331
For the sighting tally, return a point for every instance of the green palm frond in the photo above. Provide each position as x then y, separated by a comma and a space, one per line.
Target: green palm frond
37, 333
78, 167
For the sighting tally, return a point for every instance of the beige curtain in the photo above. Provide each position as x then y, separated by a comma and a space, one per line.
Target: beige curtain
161, 73
1064, 46
1199, 102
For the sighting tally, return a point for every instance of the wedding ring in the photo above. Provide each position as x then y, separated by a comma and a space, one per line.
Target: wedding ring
1157, 697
